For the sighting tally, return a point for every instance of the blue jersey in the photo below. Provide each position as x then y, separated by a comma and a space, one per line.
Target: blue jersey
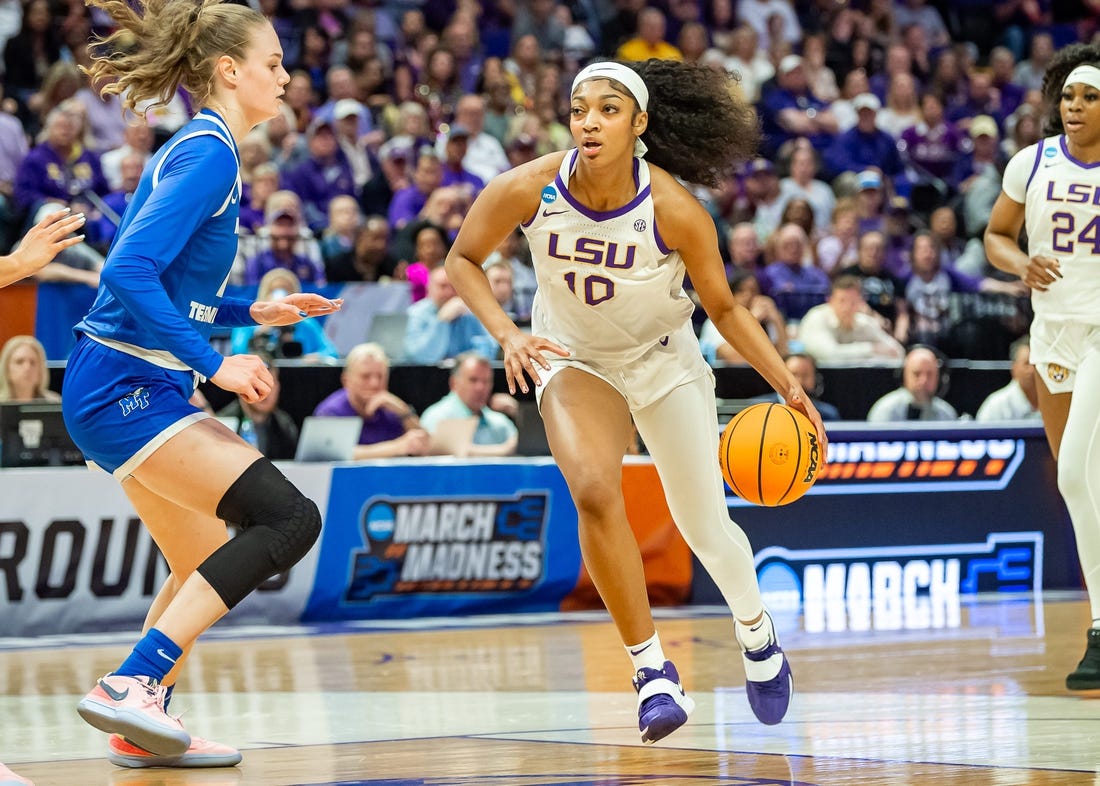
161, 288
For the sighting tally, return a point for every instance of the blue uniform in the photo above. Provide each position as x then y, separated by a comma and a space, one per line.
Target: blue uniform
129, 379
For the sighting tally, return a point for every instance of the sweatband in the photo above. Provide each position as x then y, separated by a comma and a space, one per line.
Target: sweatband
620, 73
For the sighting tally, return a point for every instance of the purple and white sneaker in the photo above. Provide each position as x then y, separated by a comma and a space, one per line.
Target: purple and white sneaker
663, 707
768, 681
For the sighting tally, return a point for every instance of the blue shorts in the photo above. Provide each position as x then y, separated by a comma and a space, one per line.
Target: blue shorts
119, 408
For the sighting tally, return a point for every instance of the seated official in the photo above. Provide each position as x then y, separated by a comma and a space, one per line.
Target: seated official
1019, 399
471, 393
390, 426
917, 398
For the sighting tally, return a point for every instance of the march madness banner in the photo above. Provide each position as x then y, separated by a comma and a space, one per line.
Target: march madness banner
408, 538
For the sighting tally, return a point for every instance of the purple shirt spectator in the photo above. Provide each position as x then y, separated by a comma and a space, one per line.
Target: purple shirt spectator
380, 427
44, 174
795, 289
932, 150
406, 205
307, 270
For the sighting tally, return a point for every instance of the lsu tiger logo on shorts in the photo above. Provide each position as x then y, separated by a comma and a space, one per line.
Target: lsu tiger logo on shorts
1056, 373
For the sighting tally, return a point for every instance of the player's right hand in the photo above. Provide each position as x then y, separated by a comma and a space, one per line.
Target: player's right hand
245, 375
522, 356
49, 237
1041, 273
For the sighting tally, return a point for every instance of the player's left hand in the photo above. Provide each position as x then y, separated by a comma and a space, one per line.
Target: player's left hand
293, 309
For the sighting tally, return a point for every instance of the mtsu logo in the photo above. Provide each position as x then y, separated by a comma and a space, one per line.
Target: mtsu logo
139, 399
449, 545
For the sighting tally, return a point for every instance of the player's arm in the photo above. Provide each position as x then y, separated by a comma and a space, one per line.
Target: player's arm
40, 245
509, 200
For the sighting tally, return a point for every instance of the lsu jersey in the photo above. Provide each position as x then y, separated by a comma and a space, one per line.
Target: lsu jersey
608, 287
1061, 198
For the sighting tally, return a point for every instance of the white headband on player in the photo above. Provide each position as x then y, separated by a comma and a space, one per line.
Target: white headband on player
1086, 75
627, 77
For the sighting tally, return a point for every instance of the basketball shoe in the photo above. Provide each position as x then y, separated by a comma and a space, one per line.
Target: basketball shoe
768, 681
134, 708
201, 753
9, 778
663, 707
1087, 674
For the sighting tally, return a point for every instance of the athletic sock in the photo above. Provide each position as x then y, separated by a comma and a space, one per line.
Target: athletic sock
648, 654
754, 637
153, 656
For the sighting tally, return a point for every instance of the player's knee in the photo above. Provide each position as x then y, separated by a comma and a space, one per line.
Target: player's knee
593, 498
295, 533
1072, 476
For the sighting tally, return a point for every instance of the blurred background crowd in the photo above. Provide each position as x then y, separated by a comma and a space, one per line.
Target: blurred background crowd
886, 127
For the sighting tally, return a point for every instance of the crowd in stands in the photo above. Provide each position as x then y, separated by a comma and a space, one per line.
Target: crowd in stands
854, 235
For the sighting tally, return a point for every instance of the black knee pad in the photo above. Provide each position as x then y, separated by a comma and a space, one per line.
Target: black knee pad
278, 526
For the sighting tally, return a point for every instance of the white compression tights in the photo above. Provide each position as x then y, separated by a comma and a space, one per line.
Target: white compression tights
1079, 472
681, 434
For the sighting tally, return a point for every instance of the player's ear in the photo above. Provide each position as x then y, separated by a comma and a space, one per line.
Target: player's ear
226, 67
641, 123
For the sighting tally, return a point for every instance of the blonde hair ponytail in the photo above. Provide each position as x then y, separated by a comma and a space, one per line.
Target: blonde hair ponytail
165, 44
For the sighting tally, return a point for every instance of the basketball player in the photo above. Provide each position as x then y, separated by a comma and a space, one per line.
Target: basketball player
45, 240
611, 235
1052, 189
144, 344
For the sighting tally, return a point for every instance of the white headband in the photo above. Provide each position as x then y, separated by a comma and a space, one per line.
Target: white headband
628, 77
1086, 75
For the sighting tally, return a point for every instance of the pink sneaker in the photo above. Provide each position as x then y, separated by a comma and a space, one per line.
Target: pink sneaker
134, 707
202, 753
9, 778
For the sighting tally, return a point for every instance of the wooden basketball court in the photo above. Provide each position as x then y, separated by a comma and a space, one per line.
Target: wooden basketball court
967, 695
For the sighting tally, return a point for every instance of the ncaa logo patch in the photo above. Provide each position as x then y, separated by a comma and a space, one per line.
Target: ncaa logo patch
1050, 152
549, 195
1056, 373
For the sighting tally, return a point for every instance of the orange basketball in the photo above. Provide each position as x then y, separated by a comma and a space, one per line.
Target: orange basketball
769, 454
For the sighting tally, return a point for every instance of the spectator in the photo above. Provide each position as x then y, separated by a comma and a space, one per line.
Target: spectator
324, 174
932, 146
342, 101
944, 226
803, 183
30, 53
105, 220
749, 62
839, 248
137, 138
471, 392
1029, 72
427, 177
743, 244
1002, 65
870, 200
441, 326
843, 108
371, 259
537, 18
430, 244
918, 397
24, 375
789, 109
985, 152
756, 13
59, 169
842, 329
454, 151
347, 117
305, 339
649, 41
819, 77
261, 423
283, 231
902, 108
499, 275
1019, 399
746, 291
865, 145
485, 156
804, 368
794, 286
883, 291
522, 149
524, 283
265, 182
106, 120
918, 12
765, 202
338, 239
390, 426
981, 99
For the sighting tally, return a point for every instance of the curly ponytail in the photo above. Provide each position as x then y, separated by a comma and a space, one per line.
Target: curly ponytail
1064, 61
166, 44
698, 127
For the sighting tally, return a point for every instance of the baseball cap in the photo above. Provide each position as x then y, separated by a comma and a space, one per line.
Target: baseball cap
869, 178
984, 125
789, 63
317, 124
898, 205
759, 166
458, 131
346, 107
866, 101
522, 142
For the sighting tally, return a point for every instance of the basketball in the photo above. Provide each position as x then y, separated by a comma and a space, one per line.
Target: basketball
769, 454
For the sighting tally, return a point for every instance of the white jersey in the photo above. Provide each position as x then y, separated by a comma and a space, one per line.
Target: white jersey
608, 288
1061, 198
